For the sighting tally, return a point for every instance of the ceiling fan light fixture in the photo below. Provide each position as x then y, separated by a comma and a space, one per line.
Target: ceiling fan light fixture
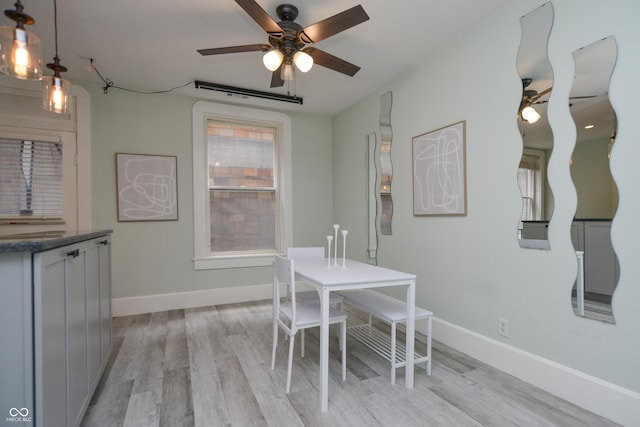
273, 59
530, 114
288, 72
20, 50
303, 61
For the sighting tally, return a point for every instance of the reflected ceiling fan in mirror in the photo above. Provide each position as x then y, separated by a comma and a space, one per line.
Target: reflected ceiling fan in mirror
532, 97
529, 98
290, 43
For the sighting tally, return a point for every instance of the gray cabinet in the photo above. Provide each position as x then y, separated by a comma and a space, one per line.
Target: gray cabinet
537, 230
65, 328
601, 268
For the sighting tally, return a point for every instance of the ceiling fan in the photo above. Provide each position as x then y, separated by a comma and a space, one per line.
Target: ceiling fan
289, 43
531, 97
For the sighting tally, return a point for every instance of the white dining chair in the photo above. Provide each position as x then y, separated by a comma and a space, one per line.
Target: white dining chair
293, 317
305, 297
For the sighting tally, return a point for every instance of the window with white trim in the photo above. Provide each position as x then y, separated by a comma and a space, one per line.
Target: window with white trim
531, 183
242, 170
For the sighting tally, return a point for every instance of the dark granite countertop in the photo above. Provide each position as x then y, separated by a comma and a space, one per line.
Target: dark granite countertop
37, 242
575, 219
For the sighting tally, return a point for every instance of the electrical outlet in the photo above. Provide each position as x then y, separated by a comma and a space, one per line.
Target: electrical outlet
503, 327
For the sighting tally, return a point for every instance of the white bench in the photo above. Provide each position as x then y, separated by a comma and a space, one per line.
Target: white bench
392, 311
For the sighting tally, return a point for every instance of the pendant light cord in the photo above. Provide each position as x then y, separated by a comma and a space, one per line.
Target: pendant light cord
55, 24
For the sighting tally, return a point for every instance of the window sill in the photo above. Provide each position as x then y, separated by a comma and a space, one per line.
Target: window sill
244, 261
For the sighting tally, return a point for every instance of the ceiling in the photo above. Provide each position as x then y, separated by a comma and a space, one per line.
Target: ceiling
150, 45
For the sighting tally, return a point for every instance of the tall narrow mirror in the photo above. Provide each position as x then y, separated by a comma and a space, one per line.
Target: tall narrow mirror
596, 127
386, 169
537, 138
371, 165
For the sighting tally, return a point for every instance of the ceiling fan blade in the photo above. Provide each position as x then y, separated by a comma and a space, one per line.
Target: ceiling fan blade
540, 95
334, 24
327, 60
583, 97
234, 49
259, 15
276, 78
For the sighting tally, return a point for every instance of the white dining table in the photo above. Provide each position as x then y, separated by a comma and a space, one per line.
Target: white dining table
327, 276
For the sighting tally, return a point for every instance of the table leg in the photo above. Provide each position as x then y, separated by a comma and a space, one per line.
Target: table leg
324, 349
411, 332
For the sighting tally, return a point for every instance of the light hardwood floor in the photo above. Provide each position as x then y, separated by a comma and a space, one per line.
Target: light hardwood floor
210, 367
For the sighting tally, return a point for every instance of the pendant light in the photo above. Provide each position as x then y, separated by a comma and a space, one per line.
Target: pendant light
20, 50
56, 91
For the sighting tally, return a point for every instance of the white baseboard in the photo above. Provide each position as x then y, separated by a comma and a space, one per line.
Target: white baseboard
603, 398
608, 400
179, 300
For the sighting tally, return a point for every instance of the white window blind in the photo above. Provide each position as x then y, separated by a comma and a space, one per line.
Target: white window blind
31, 185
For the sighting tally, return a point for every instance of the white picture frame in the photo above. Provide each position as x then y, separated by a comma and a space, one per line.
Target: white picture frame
439, 171
147, 187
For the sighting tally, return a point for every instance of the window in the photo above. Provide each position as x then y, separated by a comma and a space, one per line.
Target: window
30, 180
242, 187
53, 137
530, 181
242, 164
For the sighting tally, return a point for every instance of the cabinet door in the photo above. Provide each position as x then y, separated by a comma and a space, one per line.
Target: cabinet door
77, 382
105, 298
50, 271
577, 235
601, 264
94, 358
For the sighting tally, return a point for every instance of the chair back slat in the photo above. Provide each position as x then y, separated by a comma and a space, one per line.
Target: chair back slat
283, 273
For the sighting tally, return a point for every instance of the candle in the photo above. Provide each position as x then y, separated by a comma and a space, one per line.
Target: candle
329, 239
336, 227
344, 247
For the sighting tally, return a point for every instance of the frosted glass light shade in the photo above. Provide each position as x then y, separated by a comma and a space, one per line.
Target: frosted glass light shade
288, 72
20, 54
272, 59
303, 61
530, 115
56, 95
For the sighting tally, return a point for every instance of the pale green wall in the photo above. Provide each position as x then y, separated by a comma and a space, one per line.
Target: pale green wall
156, 257
470, 269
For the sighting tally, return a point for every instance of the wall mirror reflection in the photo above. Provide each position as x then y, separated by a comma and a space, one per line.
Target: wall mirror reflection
373, 201
386, 168
596, 127
537, 138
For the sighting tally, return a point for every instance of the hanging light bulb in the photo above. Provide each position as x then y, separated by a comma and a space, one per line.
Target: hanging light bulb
56, 91
303, 61
273, 59
20, 50
530, 115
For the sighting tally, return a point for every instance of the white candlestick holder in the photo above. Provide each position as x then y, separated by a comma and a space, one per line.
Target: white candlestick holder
344, 247
329, 239
336, 227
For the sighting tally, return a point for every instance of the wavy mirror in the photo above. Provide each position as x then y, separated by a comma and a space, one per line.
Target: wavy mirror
371, 166
386, 169
537, 138
596, 127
